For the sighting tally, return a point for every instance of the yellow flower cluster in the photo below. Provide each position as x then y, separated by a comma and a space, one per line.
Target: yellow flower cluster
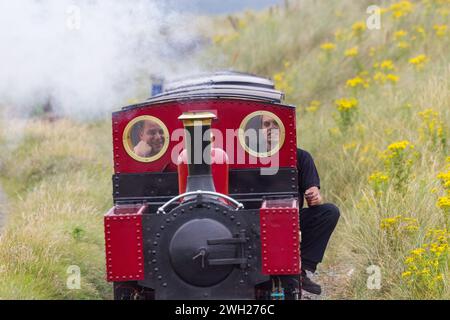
441, 30
398, 161
400, 34
358, 28
350, 145
378, 177
432, 127
420, 31
282, 83
401, 9
358, 82
379, 182
419, 61
387, 65
382, 78
424, 266
444, 201
403, 45
313, 106
399, 225
328, 46
346, 104
400, 146
352, 52
445, 179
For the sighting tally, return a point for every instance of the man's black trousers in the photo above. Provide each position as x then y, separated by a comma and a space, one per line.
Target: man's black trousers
316, 225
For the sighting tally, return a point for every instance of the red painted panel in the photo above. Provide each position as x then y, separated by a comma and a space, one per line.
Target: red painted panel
230, 114
280, 248
123, 241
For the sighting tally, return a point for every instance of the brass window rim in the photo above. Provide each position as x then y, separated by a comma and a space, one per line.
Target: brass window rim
126, 138
242, 134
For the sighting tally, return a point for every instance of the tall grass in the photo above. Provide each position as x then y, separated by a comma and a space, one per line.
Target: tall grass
57, 176
306, 50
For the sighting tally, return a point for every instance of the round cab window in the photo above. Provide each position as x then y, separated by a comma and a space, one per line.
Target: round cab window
146, 138
262, 134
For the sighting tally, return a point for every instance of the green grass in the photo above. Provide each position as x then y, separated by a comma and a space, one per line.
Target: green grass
58, 181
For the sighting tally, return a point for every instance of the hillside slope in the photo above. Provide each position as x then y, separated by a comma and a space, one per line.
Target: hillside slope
58, 179
373, 108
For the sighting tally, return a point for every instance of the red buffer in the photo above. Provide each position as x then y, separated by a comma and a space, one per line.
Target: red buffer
123, 241
280, 237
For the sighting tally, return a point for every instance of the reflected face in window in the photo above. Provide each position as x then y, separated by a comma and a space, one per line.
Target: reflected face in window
151, 137
271, 131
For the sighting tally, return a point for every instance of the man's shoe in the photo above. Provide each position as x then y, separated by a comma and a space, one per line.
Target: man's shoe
310, 286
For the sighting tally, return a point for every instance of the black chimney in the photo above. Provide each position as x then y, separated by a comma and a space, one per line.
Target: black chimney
198, 148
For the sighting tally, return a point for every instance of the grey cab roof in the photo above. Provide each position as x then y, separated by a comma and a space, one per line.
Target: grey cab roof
224, 84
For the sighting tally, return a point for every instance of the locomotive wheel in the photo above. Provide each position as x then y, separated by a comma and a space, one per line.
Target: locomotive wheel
132, 291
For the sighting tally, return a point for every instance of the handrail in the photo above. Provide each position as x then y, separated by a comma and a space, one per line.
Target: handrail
237, 204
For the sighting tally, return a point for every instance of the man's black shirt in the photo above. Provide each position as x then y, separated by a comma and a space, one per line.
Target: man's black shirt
307, 174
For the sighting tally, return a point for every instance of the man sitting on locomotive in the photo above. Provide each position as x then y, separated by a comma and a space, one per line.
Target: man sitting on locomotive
317, 222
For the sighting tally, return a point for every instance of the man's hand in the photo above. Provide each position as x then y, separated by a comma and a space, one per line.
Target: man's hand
313, 197
142, 149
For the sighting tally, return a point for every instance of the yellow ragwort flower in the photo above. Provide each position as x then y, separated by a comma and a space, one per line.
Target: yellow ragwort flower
393, 78
400, 145
313, 106
419, 61
440, 30
417, 252
378, 177
387, 65
352, 52
400, 34
406, 274
357, 82
403, 45
346, 104
444, 203
358, 28
420, 30
328, 46
401, 9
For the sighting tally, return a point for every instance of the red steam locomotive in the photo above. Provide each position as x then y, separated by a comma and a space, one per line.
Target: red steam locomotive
205, 193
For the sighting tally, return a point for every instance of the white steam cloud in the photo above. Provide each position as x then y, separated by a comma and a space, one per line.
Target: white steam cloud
88, 57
